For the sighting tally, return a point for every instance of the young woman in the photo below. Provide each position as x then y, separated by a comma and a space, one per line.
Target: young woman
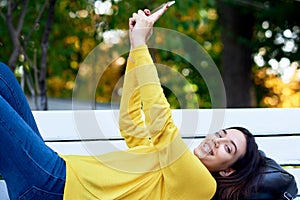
157, 165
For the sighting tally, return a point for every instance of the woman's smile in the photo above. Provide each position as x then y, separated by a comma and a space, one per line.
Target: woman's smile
204, 149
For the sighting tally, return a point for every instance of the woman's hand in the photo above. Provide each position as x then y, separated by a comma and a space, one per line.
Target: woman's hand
141, 26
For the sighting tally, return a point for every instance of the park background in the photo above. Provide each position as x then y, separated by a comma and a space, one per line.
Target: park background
254, 43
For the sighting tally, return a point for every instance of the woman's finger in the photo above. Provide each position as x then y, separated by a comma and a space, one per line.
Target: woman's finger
156, 15
140, 12
131, 23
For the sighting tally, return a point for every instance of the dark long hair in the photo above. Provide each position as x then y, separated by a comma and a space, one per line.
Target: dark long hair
239, 184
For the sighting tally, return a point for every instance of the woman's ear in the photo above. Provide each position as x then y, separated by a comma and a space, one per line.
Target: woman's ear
227, 172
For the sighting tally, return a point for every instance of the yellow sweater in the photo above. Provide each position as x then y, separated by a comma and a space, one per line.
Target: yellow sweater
157, 165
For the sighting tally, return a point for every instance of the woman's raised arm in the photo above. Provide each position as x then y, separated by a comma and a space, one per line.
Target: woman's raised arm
142, 89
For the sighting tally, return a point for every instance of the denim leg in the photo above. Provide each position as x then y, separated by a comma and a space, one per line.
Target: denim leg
30, 168
11, 91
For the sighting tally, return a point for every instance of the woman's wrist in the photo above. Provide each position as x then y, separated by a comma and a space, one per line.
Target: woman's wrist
137, 42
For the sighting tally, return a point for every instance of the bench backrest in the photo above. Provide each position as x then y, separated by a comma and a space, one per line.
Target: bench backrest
277, 131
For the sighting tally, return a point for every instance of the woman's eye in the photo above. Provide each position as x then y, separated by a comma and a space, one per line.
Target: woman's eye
228, 149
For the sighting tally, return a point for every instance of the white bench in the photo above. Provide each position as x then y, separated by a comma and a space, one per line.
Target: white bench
277, 131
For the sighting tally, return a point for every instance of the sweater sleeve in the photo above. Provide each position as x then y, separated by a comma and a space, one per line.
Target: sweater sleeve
144, 92
131, 123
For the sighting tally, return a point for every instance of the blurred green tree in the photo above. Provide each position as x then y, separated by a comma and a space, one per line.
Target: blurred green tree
267, 31
254, 35
15, 14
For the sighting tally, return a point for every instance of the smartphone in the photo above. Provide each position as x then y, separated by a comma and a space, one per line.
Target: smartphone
169, 3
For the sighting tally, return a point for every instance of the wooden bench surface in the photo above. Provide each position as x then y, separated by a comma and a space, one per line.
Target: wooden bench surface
277, 131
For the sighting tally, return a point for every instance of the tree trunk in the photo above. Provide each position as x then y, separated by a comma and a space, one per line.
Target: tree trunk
44, 46
237, 32
15, 31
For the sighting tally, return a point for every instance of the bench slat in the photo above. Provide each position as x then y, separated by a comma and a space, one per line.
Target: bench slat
296, 173
283, 154
87, 148
3, 191
102, 124
283, 149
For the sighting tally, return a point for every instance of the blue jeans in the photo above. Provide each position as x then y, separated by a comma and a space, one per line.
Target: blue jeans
29, 167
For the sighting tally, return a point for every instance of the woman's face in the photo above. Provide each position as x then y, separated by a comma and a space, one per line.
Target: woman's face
221, 150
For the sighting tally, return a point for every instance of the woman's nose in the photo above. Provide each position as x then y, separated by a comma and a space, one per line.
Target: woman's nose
218, 141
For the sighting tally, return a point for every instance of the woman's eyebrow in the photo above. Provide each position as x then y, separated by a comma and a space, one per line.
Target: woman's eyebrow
234, 146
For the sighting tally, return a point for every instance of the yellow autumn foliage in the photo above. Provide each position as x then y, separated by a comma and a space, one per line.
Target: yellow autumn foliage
281, 94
